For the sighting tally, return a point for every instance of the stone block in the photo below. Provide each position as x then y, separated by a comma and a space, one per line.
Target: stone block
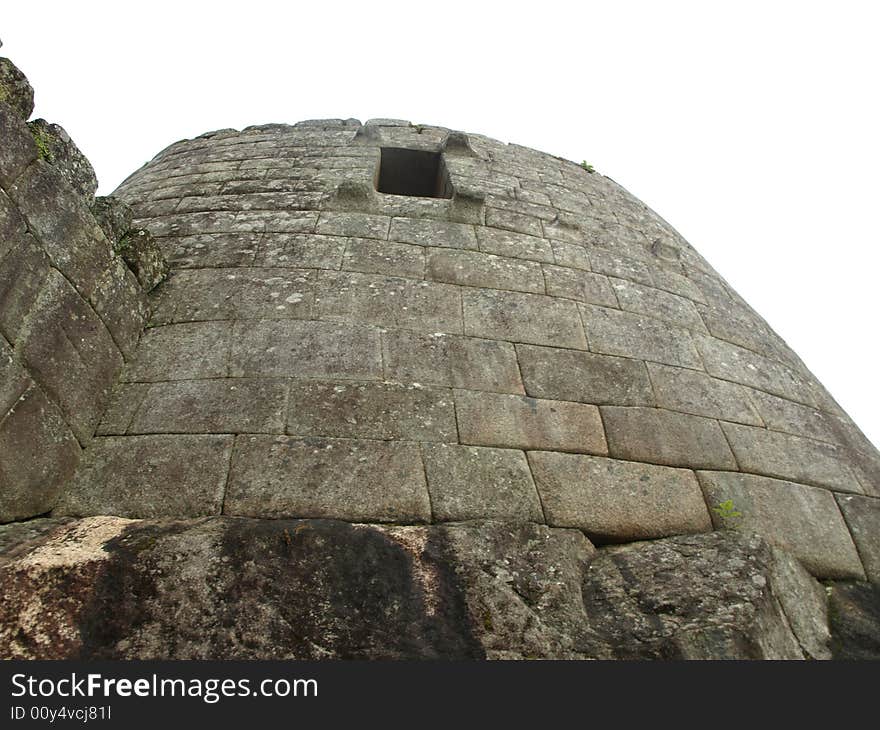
16, 93
472, 268
194, 295
358, 481
450, 360
515, 421
220, 250
181, 352
389, 301
362, 225
468, 483
604, 261
666, 437
583, 286
167, 475
371, 410
369, 256
59, 150
784, 456
233, 405
512, 221
300, 349
120, 303
515, 245
780, 414
23, 273
549, 372
144, 256
519, 317
730, 362
14, 381
690, 391
424, 232
69, 352
618, 501
657, 303
60, 220
124, 402
298, 251
18, 149
571, 255
677, 284
612, 332
39, 452
803, 520
862, 515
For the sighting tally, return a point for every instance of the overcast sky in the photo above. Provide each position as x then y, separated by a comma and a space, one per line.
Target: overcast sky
752, 127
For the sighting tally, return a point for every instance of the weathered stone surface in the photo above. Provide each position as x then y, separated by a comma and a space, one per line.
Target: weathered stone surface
18, 149
515, 245
665, 437
354, 224
14, 381
612, 332
470, 268
39, 453
275, 249
432, 233
690, 391
195, 295
862, 515
144, 257
582, 376
23, 273
613, 500
657, 303
583, 286
60, 220
730, 362
854, 610
59, 150
114, 216
223, 405
471, 483
460, 362
780, 414
304, 350
180, 352
383, 257
355, 480
802, 520
121, 305
172, 589
389, 301
70, 353
515, 421
149, 476
371, 410
518, 317
780, 455
15, 91
699, 597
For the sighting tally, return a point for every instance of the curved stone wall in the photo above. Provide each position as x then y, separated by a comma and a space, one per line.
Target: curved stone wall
541, 347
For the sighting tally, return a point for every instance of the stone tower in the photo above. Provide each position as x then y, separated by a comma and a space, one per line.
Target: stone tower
406, 392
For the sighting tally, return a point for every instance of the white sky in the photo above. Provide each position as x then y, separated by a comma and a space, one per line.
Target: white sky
752, 127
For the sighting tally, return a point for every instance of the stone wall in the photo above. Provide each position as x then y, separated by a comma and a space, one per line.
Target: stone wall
71, 311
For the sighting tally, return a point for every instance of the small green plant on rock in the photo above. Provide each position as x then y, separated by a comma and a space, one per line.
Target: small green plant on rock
588, 167
43, 144
728, 514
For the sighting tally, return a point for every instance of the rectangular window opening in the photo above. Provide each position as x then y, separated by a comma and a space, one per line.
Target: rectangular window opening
413, 172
